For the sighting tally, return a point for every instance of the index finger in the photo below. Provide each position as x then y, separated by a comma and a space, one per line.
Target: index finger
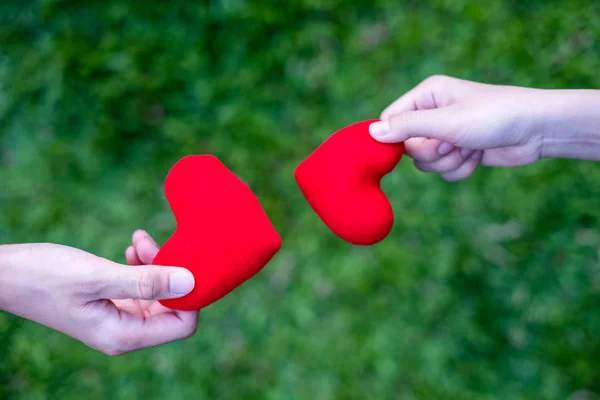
418, 98
434, 92
426, 150
127, 332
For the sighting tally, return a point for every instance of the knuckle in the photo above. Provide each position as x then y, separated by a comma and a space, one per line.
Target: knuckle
451, 177
421, 166
457, 129
190, 331
468, 172
400, 120
149, 284
122, 344
92, 284
113, 352
454, 164
458, 175
104, 341
422, 149
117, 343
93, 287
437, 79
455, 175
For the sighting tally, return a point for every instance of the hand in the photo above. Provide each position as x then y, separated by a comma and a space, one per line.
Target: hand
450, 125
108, 306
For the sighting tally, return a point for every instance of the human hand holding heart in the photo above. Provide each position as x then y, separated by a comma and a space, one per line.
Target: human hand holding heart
341, 182
223, 235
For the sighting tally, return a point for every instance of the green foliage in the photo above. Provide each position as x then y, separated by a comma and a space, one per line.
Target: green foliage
486, 289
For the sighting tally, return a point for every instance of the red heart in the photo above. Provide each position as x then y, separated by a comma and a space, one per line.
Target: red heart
341, 181
223, 236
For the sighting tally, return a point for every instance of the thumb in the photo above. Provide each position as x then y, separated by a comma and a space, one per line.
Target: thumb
147, 282
433, 124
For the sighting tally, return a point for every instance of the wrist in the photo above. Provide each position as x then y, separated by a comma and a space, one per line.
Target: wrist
571, 125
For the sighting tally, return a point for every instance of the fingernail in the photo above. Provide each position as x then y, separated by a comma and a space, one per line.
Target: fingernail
464, 152
444, 148
476, 155
181, 282
380, 128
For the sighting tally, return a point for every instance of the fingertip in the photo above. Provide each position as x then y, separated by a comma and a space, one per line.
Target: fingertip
445, 148
144, 246
379, 129
139, 234
181, 281
129, 252
131, 256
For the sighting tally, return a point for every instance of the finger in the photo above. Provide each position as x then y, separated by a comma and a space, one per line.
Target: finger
447, 163
466, 169
145, 247
147, 282
407, 102
130, 332
132, 257
440, 123
427, 150
164, 328
509, 156
435, 91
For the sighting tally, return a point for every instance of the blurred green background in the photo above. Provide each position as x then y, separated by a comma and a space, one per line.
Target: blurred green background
486, 289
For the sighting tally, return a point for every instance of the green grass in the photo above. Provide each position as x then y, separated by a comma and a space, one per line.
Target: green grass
486, 289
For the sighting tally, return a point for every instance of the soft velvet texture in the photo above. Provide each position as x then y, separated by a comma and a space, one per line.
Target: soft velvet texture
341, 182
223, 236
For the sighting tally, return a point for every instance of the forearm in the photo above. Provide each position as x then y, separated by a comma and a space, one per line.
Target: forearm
17, 285
572, 125
6, 271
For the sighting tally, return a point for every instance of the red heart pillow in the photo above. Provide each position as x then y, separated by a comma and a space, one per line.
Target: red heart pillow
223, 235
341, 182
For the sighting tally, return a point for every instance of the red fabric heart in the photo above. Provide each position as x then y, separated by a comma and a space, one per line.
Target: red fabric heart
223, 236
341, 182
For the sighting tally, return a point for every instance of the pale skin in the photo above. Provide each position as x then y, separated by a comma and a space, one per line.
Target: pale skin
450, 126
108, 306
